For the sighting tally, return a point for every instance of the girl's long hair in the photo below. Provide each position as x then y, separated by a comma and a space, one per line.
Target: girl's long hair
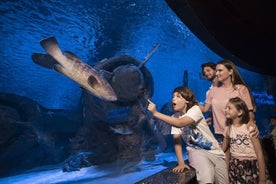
240, 106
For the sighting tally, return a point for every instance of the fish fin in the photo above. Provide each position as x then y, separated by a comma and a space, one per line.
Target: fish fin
60, 69
44, 60
51, 45
106, 74
82, 88
69, 53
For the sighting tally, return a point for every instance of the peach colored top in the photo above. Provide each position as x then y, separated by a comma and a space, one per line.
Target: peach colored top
219, 96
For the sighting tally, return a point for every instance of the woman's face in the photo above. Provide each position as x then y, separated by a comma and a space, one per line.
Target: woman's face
223, 73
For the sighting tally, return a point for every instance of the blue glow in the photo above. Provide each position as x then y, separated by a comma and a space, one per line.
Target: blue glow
98, 29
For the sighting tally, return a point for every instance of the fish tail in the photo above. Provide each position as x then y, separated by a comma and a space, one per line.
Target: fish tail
51, 45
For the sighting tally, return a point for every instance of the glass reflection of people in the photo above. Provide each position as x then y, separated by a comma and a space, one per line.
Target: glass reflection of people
245, 150
203, 150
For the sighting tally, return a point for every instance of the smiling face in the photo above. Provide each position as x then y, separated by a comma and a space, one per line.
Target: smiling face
222, 73
231, 111
179, 103
209, 73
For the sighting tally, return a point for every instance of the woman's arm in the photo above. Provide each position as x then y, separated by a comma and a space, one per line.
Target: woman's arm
205, 107
260, 158
253, 129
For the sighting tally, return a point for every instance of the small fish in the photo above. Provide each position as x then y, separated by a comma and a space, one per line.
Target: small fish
121, 129
71, 66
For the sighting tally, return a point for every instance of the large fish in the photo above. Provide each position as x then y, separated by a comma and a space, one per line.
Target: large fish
68, 64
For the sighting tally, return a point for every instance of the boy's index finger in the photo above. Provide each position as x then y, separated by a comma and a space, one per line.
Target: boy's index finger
149, 100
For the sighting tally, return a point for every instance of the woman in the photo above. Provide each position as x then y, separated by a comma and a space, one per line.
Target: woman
229, 84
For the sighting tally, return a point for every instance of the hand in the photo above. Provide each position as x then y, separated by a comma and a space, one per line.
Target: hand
180, 168
151, 106
253, 129
209, 121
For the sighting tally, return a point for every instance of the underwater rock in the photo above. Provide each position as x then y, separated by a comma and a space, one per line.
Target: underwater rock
31, 135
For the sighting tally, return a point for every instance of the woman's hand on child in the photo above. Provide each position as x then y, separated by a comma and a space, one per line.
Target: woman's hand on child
253, 129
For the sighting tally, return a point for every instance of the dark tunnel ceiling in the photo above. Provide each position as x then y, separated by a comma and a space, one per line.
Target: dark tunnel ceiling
241, 30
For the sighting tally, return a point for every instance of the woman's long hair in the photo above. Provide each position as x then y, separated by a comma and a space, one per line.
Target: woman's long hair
237, 79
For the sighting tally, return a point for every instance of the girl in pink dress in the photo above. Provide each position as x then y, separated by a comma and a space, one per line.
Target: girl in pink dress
247, 164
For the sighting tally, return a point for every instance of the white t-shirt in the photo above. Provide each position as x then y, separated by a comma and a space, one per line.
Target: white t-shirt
198, 135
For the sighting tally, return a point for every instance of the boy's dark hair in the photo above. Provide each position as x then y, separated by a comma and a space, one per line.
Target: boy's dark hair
209, 64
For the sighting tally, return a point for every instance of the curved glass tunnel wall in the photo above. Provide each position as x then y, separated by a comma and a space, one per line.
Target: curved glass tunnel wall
104, 29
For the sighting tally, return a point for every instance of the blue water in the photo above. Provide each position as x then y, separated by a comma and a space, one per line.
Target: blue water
99, 29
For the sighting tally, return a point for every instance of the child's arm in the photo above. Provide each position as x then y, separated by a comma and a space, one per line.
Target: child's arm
226, 145
177, 122
260, 158
179, 154
226, 139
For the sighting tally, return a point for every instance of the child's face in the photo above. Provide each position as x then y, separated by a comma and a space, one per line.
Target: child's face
179, 103
231, 111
